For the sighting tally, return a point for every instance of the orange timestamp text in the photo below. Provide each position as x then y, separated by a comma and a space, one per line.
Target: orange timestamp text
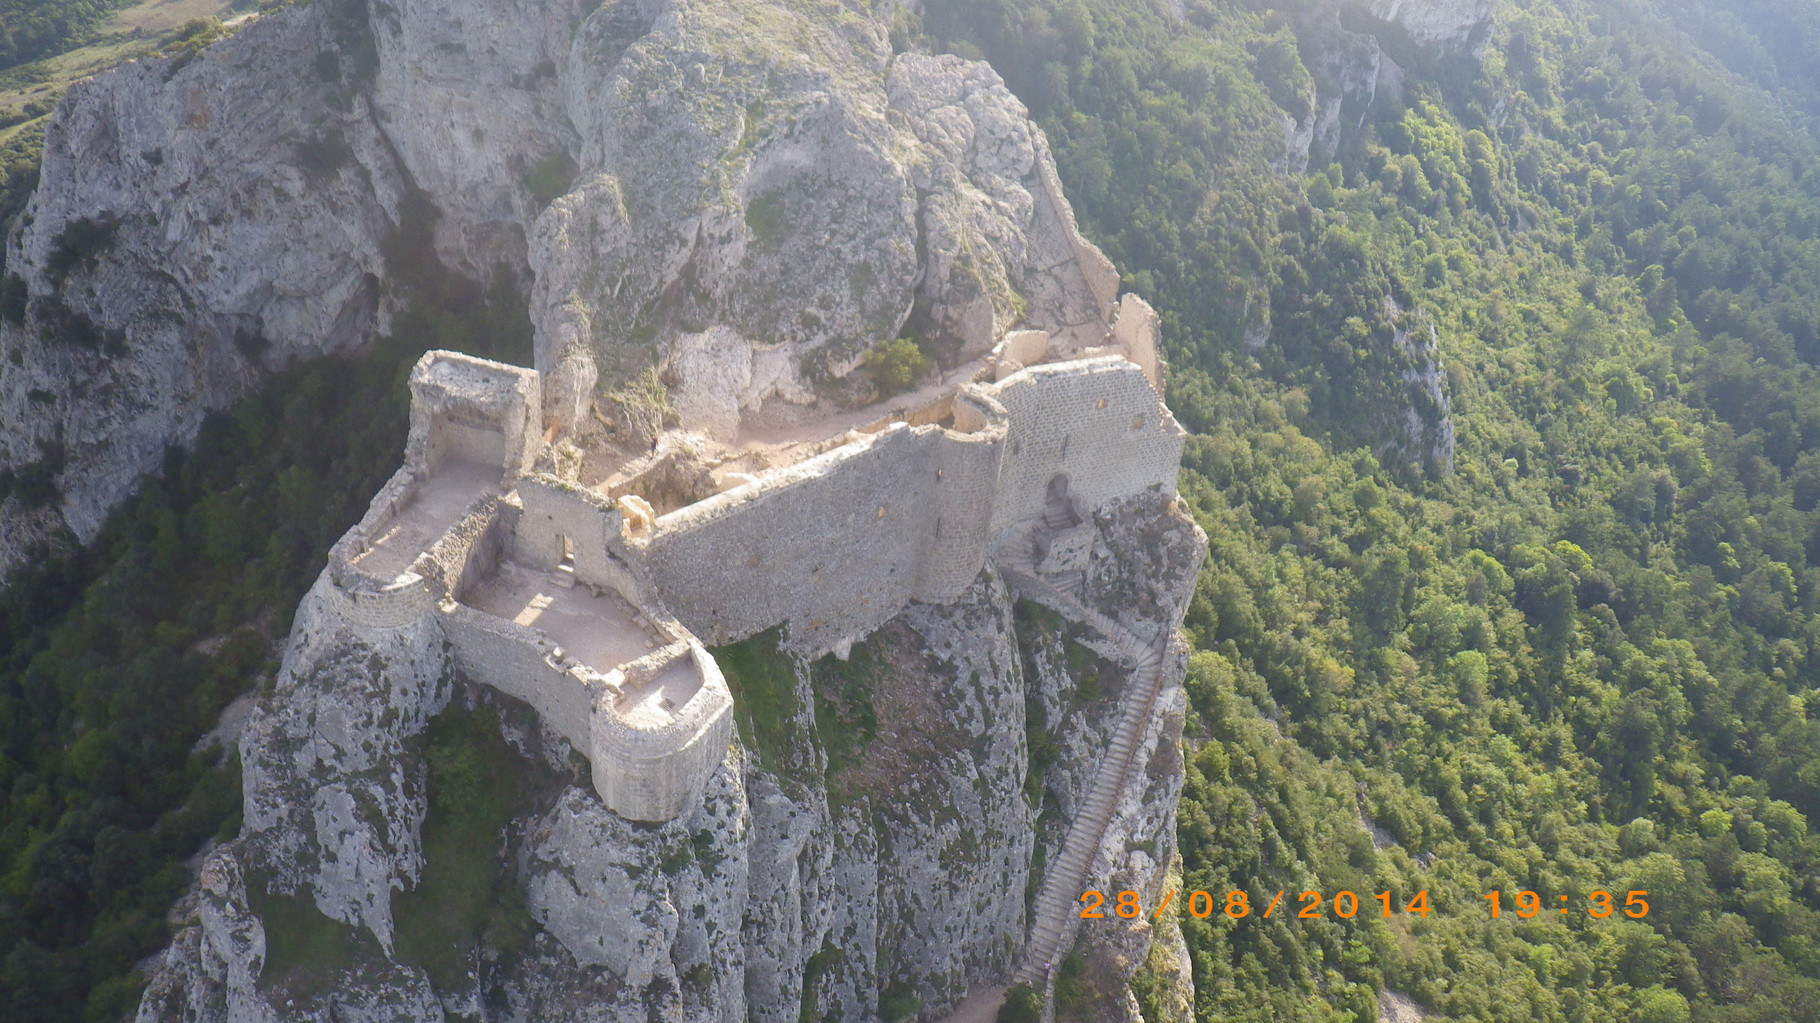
1599, 904
1344, 905
1309, 905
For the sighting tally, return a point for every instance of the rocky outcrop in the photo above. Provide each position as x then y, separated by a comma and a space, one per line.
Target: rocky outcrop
869, 848
195, 224
1357, 52
748, 193
1442, 24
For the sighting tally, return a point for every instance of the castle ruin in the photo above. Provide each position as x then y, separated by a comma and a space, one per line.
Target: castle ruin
587, 603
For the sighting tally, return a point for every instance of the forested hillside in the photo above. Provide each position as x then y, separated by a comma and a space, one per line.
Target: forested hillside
1536, 601
1577, 654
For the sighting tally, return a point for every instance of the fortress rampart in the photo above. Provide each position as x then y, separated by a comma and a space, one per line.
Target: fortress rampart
834, 546
588, 607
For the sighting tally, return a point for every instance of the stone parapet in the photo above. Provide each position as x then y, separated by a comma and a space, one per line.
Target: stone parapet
1097, 422
523, 663
468, 551
655, 772
400, 602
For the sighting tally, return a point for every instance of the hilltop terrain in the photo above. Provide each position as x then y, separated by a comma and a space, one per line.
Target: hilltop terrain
1493, 327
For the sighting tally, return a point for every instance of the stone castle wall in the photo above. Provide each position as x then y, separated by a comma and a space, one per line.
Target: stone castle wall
393, 605
555, 511
474, 410
656, 773
966, 471
836, 545
831, 547
1095, 421
522, 663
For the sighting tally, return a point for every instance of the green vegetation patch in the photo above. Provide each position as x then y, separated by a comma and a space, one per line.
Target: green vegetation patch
765, 218
80, 244
845, 720
763, 681
897, 364
551, 177
898, 1003
476, 783
1579, 654
305, 951
1022, 1005
180, 604
819, 962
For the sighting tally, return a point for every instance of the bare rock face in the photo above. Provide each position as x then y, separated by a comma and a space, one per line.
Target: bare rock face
774, 183
1444, 24
870, 851
767, 174
329, 795
1352, 50
196, 224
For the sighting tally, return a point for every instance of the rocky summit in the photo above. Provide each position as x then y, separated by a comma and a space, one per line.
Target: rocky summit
748, 194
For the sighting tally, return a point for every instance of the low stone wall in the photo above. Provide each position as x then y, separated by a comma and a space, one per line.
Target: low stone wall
469, 551
367, 601
655, 774
641, 773
404, 601
521, 662
391, 499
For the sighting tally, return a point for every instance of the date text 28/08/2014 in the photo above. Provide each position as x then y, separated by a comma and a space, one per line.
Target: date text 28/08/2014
1346, 905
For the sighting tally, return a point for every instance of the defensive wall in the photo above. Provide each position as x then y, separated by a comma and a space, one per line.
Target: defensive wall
835, 546
514, 563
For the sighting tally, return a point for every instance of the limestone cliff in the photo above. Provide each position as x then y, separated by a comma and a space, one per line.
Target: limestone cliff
869, 849
746, 193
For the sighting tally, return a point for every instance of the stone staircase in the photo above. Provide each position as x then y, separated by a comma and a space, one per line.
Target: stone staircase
1057, 909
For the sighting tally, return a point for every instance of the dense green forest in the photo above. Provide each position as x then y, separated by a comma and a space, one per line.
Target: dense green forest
1572, 653
30, 29
1579, 657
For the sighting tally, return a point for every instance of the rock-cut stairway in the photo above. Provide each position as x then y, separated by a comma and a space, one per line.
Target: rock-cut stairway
1057, 911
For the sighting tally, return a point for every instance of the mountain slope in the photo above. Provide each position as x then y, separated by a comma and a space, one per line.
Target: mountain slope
1578, 658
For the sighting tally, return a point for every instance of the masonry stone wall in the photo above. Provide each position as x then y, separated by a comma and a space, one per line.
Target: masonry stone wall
1135, 332
960, 495
521, 662
391, 499
365, 600
1096, 421
555, 510
391, 606
469, 551
829, 545
656, 773
475, 410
